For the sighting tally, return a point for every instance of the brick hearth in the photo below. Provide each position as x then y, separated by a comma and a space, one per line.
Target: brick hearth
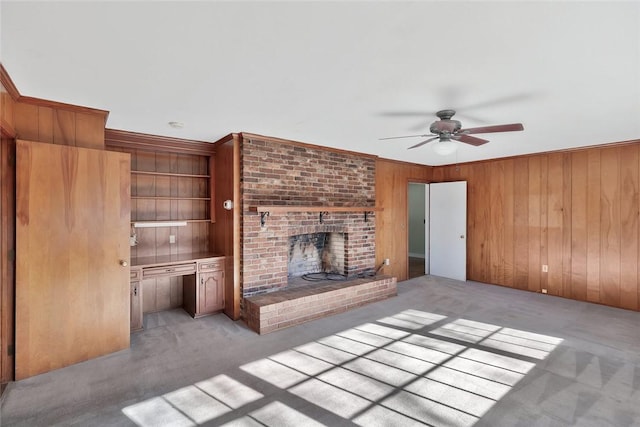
278, 310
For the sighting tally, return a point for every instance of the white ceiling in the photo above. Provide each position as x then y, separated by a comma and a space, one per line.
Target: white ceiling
333, 73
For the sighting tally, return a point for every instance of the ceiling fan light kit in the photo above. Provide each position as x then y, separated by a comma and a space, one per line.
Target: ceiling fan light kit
447, 131
444, 147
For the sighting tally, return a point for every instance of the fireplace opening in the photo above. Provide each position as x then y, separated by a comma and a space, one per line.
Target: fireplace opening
316, 257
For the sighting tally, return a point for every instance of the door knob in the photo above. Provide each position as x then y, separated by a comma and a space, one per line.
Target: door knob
123, 263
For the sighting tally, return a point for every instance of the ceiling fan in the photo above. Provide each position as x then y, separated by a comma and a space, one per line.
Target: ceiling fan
446, 130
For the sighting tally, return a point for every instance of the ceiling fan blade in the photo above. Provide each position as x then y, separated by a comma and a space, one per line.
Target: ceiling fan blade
423, 142
468, 139
493, 129
406, 136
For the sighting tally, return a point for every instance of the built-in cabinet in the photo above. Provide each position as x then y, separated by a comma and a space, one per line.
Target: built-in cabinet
172, 196
202, 286
204, 292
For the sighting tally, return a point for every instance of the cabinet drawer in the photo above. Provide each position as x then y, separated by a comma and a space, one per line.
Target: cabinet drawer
169, 270
134, 274
213, 265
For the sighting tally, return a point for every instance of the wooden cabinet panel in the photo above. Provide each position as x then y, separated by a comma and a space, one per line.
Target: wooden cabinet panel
204, 292
210, 292
169, 270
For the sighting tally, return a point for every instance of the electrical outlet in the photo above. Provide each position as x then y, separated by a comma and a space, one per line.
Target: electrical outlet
386, 261
544, 291
545, 268
172, 238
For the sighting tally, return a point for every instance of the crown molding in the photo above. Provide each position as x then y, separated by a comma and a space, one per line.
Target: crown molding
147, 142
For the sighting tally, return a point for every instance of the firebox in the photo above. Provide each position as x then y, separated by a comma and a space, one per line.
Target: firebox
310, 254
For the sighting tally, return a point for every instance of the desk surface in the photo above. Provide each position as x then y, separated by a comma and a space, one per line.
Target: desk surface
152, 261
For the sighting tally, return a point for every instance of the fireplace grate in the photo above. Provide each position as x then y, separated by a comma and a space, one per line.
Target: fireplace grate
317, 277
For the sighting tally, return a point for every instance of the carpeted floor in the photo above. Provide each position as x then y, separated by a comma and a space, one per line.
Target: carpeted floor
441, 353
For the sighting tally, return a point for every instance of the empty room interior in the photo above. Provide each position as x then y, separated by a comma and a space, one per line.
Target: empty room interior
306, 213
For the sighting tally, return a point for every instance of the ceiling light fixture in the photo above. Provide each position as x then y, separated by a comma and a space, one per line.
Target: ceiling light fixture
176, 125
445, 146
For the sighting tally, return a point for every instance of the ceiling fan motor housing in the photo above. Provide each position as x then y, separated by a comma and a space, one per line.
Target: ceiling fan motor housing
445, 126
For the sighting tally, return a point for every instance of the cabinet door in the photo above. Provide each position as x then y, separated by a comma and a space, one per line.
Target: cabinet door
136, 306
72, 235
210, 295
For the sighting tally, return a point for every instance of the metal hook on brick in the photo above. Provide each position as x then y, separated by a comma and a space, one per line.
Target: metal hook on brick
263, 218
322, 214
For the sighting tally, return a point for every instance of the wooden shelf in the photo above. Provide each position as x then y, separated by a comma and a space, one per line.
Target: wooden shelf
185, 220
283, 208
169, 198
179, 175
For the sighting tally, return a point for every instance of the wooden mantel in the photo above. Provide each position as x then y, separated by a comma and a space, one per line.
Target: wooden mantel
266, 210
290, 208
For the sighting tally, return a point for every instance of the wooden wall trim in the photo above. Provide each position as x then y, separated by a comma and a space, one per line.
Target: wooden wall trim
237, 218
7, 130
246, 135
544, 153
143, 141
8, 84
227, 138
12, 90
62, 106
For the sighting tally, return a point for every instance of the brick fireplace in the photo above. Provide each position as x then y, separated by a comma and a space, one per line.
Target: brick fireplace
285, 174
266, 251
293, 176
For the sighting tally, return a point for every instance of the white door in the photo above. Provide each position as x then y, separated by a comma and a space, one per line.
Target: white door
448, 230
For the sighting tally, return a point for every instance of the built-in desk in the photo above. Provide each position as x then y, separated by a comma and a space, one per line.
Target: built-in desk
202, 282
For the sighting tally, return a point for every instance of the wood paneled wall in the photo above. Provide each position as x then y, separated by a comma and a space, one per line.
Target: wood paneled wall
392, 180
7, 235
576, 212
7, 257
37, 120
59, 125
225, 232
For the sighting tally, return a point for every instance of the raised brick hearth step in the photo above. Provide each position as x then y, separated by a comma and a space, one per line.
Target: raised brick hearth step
278, 310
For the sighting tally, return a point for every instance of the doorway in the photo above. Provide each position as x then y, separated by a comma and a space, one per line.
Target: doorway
418, 238
437, 228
